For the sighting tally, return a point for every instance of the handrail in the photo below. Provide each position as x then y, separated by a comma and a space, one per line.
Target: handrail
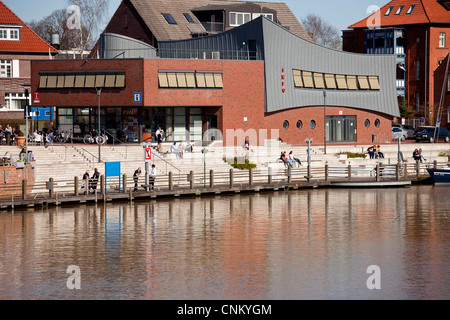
168, 163
115, 139
93, 156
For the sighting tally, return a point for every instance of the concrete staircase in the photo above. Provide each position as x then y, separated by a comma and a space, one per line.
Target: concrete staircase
64, 162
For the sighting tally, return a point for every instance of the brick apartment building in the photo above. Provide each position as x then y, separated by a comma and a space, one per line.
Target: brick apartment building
19, 44
418, 33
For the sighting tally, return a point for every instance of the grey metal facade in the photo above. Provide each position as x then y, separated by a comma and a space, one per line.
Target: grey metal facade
116, 46
262, 39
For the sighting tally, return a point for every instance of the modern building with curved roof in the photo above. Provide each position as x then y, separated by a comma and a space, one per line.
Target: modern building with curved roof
258, 80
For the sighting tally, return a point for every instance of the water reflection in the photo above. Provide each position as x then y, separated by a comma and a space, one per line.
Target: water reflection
314, 244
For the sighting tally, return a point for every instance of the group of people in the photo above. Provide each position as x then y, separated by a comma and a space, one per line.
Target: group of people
289, 160
9, 132
417, 155
152, 177
375, 152
90, 183
180, 149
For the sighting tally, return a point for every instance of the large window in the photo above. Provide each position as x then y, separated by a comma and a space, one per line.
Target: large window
16, 101
442, 40
317, 80
341, 128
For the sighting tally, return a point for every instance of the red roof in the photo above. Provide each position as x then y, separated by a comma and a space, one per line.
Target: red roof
424, 11
29, 40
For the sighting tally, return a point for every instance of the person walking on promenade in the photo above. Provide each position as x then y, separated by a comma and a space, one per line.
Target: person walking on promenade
94, 180
8, 134
85, 180
136, 175
153, 177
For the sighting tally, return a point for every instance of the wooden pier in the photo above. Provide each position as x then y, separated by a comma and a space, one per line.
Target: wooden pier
57, 193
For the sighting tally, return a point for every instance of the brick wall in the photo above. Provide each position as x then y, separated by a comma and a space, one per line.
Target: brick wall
88, 97
14, 177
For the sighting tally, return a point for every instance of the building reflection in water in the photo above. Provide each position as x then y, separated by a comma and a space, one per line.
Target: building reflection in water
289, 245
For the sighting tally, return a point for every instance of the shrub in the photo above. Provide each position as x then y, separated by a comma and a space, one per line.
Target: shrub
241, 165
351, 155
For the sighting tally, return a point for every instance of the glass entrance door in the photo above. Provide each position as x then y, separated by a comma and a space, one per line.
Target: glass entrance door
341, 128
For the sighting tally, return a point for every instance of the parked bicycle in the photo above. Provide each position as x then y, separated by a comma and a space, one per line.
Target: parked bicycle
95, 138
62, 137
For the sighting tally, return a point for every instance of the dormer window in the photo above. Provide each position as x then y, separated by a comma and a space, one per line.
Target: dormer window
389, 10
410, 10
9, 33
400, 9
239, 18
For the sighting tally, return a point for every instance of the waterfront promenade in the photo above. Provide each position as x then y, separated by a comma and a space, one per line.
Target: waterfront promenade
59, 170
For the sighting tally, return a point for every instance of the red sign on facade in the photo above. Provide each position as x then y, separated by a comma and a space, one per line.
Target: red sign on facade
36, 98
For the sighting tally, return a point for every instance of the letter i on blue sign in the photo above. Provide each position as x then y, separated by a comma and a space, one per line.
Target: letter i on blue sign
137, 97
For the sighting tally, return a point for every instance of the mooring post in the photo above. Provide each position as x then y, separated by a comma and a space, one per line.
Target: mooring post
417, 170
86, 186
191, 179
405, 173
24, 189
397, 171
289, 174
50, 188
250, 176
124, 183
76, 184
326, 172
231, 178
435, 164
102, 186
211, 178
349, 172
377, 178
269, 175
170, 181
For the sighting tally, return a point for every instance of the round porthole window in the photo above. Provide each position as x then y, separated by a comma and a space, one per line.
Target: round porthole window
367, 123
377, 123
299, 124
285, 125
312, 124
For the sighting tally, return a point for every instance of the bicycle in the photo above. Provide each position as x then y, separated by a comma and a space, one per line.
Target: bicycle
99, 139
62, 137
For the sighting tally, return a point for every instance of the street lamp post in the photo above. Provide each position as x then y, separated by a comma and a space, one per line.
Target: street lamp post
99, 91
324, 121
308, 176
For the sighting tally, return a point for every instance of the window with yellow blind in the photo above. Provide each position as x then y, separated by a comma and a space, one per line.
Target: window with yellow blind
307, 79
190, 79
318, 80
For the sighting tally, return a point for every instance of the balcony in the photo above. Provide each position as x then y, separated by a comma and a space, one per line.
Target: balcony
213, 27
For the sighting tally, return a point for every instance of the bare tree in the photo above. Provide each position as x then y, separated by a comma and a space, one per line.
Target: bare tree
56, 23
92, 13
321, 32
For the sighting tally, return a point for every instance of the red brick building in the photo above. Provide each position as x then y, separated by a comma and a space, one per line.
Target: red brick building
442, 91
19, 44
260, 94
418, 33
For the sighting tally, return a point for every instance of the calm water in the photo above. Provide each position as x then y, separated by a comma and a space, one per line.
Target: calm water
313, 244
